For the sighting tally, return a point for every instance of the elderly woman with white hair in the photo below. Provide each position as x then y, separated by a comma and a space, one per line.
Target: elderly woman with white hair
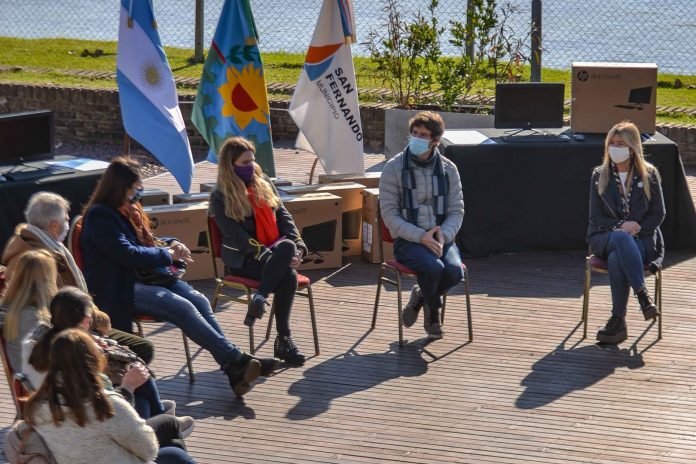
46, 228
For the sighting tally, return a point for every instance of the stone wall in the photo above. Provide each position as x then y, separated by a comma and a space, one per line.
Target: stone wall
93, 116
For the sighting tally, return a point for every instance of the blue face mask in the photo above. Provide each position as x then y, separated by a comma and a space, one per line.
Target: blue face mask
418, 146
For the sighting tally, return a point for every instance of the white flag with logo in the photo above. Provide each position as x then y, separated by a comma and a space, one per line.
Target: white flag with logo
325, 103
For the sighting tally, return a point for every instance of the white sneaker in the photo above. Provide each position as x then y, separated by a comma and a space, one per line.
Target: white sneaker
186, 424
169, 407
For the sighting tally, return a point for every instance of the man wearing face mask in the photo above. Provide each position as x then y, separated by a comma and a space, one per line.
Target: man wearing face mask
422, 205
46, 228
626, 210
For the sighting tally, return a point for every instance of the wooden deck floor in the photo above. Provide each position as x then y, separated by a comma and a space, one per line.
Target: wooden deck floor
528, 389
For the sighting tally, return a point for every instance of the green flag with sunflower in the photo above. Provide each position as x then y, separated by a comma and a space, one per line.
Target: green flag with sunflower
232, 97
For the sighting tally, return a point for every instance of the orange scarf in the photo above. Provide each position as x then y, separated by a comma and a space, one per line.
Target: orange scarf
266, 225
139, 221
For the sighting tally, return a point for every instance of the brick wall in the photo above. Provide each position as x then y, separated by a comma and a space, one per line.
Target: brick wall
93, 116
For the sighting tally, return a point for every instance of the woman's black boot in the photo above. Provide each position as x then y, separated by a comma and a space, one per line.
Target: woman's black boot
241, 373
646, 304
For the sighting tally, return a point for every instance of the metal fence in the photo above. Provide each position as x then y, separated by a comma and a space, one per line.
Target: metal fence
660, 31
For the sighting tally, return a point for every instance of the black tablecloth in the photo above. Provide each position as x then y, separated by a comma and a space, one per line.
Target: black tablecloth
535, 196
75, 186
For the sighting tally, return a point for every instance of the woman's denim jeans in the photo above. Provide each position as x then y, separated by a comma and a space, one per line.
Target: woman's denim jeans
189, 310
625, 258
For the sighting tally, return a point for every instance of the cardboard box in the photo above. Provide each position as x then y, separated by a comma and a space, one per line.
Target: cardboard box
369, 179
319, 220
277, 181
351, 231
187, 222
191, 197
152, 197
604, 94
371, 229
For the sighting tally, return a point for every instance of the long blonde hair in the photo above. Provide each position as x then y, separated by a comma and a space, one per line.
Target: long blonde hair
33, 283
629, 133
237, 205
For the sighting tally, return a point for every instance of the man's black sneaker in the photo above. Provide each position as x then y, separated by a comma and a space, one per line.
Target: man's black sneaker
413, 307
646, 305
432, 324
257, 308
241, 373
285, 349
614, 332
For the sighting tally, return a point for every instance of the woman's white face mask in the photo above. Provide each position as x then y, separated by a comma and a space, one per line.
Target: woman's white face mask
619, 154
64, 231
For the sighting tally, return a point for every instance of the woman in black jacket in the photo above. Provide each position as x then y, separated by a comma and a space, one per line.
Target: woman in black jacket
260, 239
626, 210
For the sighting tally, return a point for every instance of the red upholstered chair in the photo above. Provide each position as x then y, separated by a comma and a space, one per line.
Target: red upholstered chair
400, 270
19, 385
249, 286
595, 264
76, 251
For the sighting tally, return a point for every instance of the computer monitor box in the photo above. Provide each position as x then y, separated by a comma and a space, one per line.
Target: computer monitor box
26, 137
529, 106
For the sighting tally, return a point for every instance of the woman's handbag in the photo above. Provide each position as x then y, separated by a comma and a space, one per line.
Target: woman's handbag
119, 358
163, 276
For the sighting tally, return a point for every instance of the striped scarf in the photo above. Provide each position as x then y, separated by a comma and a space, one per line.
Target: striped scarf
409, 197
625, 194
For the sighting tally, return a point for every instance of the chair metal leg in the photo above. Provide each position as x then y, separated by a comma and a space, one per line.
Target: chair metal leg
586, 297
218, 290
379, 290
467, 293
400, 308
444, 306
139, 325
189, 361
252, 345
270, 319
658, 297
313, 316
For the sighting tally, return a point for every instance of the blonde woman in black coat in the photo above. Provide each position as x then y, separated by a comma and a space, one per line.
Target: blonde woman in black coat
626, 210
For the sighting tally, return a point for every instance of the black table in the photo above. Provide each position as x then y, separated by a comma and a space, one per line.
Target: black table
75, 186
535, 196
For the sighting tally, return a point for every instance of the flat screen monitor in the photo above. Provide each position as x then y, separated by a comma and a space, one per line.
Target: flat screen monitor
320, 237
351, 224
26, 136
529, 105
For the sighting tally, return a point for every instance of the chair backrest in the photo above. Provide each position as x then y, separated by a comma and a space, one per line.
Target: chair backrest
19, 393
214, 242
74, 240
384, 235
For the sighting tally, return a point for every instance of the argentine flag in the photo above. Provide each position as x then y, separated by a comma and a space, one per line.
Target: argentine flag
149, 103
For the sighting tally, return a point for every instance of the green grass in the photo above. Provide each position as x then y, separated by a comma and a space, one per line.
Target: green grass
66, 54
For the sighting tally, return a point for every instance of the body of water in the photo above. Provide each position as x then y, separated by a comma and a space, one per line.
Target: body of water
660, 31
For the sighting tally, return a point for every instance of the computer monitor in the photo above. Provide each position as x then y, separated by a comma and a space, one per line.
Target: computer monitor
320, 237
26, 136
352, 222
637, 98
529, 105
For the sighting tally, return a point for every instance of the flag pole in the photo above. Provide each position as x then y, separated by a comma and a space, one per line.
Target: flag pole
311, 173
126, 144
